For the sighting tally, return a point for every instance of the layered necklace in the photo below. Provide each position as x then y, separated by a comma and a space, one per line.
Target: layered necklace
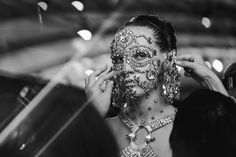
143, 150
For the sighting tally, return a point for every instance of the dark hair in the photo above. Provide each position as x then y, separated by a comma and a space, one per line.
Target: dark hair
205, 125
163, 31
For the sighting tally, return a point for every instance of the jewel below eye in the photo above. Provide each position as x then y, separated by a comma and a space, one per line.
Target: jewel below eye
123, 39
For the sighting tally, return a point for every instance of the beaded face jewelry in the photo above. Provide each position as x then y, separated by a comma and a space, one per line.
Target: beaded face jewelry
127, 51
171, 78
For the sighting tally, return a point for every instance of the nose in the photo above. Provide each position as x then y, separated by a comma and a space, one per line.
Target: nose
127, 71
128, 68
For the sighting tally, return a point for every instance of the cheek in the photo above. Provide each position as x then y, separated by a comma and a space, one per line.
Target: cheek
118, 67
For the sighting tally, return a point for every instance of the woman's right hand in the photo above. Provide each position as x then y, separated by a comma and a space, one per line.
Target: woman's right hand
98, 88
196, 68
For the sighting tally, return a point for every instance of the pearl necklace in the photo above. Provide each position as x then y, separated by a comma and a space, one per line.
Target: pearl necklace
145, 149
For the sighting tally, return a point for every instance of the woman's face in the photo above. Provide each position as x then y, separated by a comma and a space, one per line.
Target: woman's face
136, 59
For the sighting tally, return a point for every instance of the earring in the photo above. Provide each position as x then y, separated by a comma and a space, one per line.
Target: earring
117, 97
171, 78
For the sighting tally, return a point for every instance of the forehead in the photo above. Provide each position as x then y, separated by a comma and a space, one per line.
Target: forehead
134, 37
139, 30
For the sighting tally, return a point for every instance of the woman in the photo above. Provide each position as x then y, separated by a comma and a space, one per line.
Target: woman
142, 85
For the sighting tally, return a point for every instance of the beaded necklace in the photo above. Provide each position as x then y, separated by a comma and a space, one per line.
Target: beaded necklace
143, 150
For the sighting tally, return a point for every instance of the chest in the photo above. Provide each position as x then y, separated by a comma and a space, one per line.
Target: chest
159, 146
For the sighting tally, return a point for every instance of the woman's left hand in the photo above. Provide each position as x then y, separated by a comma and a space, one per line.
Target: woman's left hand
195, 67
98, 87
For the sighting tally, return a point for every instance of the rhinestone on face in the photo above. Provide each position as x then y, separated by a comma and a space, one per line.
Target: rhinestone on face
123, 38
142, 121
151, 75
150, 40
155, 101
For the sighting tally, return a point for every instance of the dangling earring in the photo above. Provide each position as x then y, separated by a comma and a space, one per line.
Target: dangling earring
171, 78
116, 97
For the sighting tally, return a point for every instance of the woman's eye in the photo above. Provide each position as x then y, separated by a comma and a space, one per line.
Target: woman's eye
140, 55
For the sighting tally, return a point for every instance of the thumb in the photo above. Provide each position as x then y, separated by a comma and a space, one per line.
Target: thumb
109, 87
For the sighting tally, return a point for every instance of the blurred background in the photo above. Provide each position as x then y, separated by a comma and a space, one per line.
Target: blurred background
40, 37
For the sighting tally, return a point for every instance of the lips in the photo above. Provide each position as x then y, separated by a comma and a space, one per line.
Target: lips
129, 82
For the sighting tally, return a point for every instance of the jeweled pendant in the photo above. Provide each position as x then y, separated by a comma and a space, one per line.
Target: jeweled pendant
149, 138
131, 136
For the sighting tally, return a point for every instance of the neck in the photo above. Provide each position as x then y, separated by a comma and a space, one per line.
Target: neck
152, 106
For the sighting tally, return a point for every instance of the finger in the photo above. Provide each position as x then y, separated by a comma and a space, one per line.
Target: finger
187, 57
92, 77
101, 76
185, 64
105, 72
99, 71
105, 77
109, 87
88, 83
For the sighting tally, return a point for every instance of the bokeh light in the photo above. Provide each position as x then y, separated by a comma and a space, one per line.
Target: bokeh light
85, 34
78, 5
206, 22
43, 5
217, 65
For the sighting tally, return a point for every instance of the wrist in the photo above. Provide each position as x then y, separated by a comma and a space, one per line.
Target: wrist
101, 110
213, 82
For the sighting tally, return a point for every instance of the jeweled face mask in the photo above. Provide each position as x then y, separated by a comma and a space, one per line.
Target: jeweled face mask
136, 63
